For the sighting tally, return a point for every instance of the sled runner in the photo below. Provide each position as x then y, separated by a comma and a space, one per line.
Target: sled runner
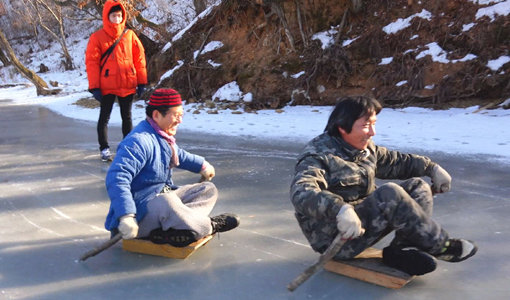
368, 266
148, 247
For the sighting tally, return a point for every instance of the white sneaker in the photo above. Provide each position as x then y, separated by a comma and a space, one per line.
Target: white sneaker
106, 155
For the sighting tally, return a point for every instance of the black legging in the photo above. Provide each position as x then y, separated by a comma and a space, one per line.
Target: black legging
104, 116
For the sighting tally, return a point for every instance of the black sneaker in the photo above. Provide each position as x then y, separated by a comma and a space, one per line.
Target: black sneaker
224, 222
173, 237
456, 250
409, 260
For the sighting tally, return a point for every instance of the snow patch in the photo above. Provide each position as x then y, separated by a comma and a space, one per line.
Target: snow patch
297, 75
348, 42
195, 20
400, 24
502, 9
248, 97
229, 92
211, 46
439, 55
171, 72
166, 47
496, 64
212, 63
506, 103
467, 27
386, 60
327, 38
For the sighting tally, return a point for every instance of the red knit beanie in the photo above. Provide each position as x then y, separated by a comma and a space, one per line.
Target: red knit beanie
167, 97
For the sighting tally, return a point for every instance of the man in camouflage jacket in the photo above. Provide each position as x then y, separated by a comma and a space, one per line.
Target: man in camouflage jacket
334, 192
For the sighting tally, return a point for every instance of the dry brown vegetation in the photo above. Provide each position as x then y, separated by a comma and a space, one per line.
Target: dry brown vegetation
266, 40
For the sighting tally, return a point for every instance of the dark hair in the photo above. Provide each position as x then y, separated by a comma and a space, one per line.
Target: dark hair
163, 110
116, 8
347, 110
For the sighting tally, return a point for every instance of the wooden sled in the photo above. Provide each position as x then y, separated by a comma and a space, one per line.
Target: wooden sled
368, 266
148, 247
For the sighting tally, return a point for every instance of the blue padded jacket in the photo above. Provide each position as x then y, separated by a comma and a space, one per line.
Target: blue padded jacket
140, 170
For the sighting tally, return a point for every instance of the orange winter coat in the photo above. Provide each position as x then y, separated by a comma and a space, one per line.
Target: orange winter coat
125, 68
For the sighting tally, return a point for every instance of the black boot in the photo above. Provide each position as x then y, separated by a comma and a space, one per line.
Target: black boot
173, 237
409, 260
224, 222
456, 250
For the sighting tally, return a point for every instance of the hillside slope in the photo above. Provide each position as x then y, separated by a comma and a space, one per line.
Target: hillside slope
423, 53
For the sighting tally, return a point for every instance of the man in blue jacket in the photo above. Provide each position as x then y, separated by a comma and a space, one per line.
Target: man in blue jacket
144, 201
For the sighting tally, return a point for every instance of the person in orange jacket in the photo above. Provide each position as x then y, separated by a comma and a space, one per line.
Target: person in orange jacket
116, 68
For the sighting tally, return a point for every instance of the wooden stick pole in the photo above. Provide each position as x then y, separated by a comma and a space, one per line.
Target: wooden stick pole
325, 257
102, 247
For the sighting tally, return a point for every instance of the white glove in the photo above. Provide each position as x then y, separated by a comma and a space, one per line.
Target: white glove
207, 171
348, 223
441, 180
128, 227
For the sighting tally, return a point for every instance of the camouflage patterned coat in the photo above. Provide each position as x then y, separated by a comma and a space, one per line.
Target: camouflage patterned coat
329, 172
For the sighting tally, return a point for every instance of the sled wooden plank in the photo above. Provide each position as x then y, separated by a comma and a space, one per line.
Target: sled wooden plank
148, 247
368, 266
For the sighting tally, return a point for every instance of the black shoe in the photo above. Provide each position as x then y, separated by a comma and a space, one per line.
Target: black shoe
409, 260
173, 237
456, 250
224, 222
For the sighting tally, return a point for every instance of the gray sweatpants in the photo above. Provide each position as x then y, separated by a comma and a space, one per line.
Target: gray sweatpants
405, 208
187, 207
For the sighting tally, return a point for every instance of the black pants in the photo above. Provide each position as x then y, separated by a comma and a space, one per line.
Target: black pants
125, 104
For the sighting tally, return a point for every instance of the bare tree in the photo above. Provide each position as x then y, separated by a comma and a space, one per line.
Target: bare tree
40, 84
5, 61
277, 8
10, 21
50, 18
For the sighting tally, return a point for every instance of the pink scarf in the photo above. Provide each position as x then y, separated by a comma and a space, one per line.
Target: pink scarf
170, 139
